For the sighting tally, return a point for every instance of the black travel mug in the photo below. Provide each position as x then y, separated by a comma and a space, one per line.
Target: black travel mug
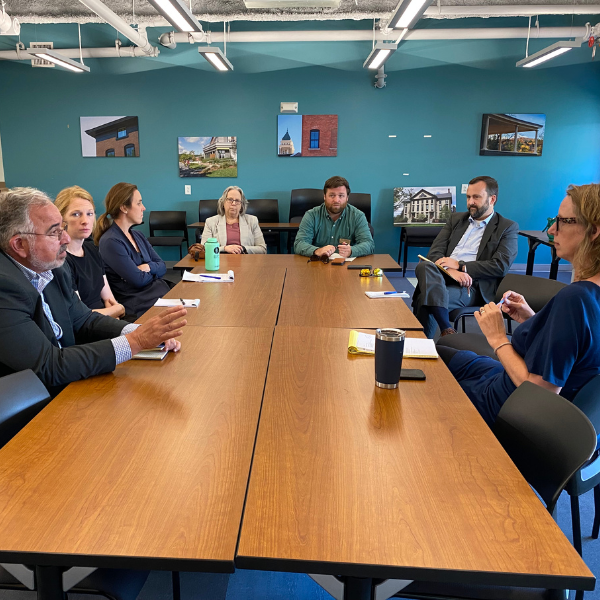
389, 349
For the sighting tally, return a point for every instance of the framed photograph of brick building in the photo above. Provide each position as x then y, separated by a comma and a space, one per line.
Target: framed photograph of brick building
110, 136
307, 135
423, 205
207, 156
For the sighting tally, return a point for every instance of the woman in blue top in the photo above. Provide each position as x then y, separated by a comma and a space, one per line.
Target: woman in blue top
133, 269
557, 348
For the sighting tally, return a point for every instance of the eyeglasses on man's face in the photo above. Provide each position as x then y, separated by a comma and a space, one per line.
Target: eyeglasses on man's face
565, 221
56, 232
233, 201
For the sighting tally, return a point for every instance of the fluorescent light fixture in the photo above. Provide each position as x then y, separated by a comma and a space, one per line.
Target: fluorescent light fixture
216, 58
549, 53
408, 13
178, 14
59, 60
401, 36
380, 53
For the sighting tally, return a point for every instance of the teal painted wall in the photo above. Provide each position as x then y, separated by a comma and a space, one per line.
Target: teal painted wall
40, 110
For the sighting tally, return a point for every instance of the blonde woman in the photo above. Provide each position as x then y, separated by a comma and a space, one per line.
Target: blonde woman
559, 347
87, 270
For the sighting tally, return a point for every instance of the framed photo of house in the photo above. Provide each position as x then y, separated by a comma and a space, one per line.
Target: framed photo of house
423, 205
207, 156
110, 137
520, 134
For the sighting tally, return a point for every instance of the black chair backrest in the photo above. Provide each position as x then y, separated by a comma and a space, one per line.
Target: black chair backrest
266, 210
206, 209
303, 200
362, 202
420, 235
546, 436
588, 401
536, 290
167, 220
22, 396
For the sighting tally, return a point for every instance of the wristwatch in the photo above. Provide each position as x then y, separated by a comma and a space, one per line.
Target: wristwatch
462, 266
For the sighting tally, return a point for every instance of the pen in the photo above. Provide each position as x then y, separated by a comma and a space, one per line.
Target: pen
387, 293
501, 302
210, 277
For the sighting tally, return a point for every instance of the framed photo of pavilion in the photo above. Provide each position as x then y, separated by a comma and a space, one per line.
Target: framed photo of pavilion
520, 134
423, 205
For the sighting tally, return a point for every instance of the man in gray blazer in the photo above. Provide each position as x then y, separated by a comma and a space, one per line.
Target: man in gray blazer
476, 249
44, 326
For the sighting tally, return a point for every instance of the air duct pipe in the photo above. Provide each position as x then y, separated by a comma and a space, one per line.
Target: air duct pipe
380, 78
116, 52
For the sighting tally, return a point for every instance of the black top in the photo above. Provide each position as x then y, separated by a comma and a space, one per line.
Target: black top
87, 272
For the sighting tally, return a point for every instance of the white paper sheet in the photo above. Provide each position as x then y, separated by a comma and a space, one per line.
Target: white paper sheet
209, 277
195, 303
387, 295
336, 255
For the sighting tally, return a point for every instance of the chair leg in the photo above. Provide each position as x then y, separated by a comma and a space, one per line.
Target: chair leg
596, 527
405, 259
176, 586
579, 595
576, 524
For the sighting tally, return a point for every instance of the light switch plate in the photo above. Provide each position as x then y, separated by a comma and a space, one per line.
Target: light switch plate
463, 190
188, 190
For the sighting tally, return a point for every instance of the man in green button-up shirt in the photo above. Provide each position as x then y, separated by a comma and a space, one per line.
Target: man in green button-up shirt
323, 228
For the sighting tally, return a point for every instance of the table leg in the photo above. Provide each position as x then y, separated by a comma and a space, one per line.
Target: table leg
358, 588
554, 265
49, 583
533, 244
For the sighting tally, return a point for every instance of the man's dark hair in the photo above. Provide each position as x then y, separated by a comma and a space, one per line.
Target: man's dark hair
335, 182
491, 185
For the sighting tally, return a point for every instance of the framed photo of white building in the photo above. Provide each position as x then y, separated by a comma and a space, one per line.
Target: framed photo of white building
207, 156
423, 205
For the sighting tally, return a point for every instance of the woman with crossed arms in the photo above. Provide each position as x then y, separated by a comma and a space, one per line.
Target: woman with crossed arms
559, 347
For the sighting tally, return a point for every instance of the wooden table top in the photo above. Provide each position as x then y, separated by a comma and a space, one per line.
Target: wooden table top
540, 236
233, 261
252, 300
350, 479
321, 295
143, 468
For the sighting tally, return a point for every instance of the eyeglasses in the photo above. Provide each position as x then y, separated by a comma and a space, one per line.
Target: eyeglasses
566, 220
323, 258
233, 202
56, 232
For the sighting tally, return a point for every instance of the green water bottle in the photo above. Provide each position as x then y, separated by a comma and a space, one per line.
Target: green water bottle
211, 260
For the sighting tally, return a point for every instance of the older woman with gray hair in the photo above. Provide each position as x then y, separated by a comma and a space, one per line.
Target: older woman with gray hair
237, 232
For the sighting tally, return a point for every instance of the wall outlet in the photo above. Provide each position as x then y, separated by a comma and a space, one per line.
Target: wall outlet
188, 190
463, 189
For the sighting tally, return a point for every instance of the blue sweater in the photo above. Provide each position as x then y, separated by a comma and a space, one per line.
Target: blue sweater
136, 290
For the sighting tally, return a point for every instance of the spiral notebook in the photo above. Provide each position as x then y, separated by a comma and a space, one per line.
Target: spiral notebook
364, 343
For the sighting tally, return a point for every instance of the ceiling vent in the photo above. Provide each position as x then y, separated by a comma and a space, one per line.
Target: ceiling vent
39, 62
292, 3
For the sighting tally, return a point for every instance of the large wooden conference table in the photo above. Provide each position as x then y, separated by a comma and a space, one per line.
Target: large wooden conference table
271, 448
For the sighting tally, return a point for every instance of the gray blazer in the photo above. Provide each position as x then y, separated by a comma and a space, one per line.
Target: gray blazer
28, 341
497, 251
251, 236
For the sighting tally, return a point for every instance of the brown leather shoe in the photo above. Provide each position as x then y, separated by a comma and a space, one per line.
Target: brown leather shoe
448, 331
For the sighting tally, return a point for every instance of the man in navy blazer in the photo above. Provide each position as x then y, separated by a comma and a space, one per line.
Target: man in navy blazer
44, 326
476, 249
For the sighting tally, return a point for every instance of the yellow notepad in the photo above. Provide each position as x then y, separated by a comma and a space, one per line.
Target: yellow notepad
438, 266
364, 343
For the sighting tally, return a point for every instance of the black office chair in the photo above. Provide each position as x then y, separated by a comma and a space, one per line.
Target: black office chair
549, 439
417, 236
266, 210
206, 209
362, 202
22, 397
537, 291
301, 200
168, 220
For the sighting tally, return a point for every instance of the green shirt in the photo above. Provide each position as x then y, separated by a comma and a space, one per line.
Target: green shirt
317, 229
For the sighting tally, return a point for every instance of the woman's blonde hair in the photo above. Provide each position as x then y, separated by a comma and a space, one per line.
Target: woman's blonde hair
66, 196
221, 201
586, 202
119, 195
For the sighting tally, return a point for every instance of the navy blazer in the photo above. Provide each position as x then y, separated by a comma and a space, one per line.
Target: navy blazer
28, 341
497, 251
136, 290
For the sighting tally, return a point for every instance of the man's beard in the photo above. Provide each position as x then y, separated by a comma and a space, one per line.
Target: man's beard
479, 212
40, 266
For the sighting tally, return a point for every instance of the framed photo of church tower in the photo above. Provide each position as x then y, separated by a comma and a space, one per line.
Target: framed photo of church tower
307, 135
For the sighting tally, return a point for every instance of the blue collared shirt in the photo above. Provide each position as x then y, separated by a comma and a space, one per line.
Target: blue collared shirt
40, 280
468, 246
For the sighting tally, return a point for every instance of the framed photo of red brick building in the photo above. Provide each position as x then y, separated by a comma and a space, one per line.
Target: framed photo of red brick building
110, 136
307, 135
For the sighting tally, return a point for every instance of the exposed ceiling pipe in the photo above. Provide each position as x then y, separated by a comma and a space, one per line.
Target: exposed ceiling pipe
114, 52
512, 10
120, 25
366, 35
